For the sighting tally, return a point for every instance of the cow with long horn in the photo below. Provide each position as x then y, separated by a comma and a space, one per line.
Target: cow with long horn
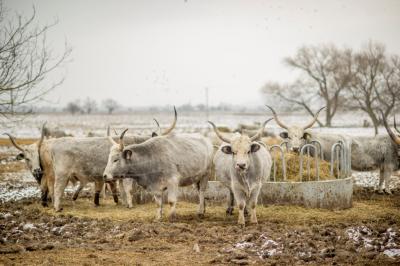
242, 164
85, 159
163, 163
298, 135
30, 153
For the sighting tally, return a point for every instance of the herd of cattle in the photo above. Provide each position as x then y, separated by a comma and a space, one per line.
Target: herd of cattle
166, 160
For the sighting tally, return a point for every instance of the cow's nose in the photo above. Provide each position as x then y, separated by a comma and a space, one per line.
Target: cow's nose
105, 177
295, 149
241, 165
37, 171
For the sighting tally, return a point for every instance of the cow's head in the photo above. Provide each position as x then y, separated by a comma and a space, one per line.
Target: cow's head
30, 153
395, 137
240, 146
296, 136
118, 158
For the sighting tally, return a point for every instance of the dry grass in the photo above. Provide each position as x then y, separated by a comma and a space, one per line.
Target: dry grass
376, 210
6, 142
293, 168
12, 167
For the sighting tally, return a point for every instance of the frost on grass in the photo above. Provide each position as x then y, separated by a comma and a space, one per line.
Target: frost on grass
386, 242
15, 193
264, 247
371, 179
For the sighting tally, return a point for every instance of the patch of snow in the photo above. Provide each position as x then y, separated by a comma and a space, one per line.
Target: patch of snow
17, 193
28, 227
393, 253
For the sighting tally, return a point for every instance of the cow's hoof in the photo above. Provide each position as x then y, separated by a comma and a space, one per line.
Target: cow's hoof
242, 225
387, 191
380, 191
200, 215
59, 210
172, 218
115, 199
229, 211
129, 207
44, 204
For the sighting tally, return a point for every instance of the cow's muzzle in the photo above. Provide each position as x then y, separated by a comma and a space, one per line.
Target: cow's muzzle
38, 174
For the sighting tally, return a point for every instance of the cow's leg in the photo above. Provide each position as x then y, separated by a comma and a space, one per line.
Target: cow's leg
230, 202
240, 198
44, 191
381, 179
202, 185
114, 191
50, 186
98, 186
78, 190
121, 188
127, 186
387, 175
172, 198
159, 200
59, 186
253, 204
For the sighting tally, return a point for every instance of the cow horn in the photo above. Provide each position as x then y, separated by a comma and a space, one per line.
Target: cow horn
173, 124
282, 125
395, 126
42, 134
218, 133
121, 140
14, 142
158, 126
260, 132
113, 142
314, 119
393, 136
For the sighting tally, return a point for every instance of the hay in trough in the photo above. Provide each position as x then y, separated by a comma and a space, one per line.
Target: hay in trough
293, 168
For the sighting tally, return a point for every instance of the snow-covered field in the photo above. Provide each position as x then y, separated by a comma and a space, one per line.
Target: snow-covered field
142, 123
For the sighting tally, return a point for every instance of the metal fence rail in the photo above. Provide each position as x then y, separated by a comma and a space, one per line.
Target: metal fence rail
340, 158
283, 162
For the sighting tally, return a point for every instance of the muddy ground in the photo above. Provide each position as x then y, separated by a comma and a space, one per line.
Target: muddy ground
367, 234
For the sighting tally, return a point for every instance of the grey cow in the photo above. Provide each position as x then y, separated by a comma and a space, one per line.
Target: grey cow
164, 163
367, 153
83, 159
242, 164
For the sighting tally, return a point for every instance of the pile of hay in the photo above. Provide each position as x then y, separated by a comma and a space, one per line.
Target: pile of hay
293, 168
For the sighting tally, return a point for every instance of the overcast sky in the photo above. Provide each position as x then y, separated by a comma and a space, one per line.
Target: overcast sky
166, 52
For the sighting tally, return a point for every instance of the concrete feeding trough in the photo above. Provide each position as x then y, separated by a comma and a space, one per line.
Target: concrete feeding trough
335, 193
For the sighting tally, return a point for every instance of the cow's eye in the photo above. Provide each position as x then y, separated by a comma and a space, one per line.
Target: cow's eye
116, 160
27, 159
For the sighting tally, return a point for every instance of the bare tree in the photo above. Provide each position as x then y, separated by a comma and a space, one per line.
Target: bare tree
327, 69
73, 107
89, 105
25, 61
376, 82
111, 105
293, 94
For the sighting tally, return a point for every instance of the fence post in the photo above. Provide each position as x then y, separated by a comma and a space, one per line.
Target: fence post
307, 146
283, 162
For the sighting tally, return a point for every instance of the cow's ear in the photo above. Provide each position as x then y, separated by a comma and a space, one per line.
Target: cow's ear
20, 156
255, 147
154, 134
227, 149
284, 135
306, 136
127, 154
